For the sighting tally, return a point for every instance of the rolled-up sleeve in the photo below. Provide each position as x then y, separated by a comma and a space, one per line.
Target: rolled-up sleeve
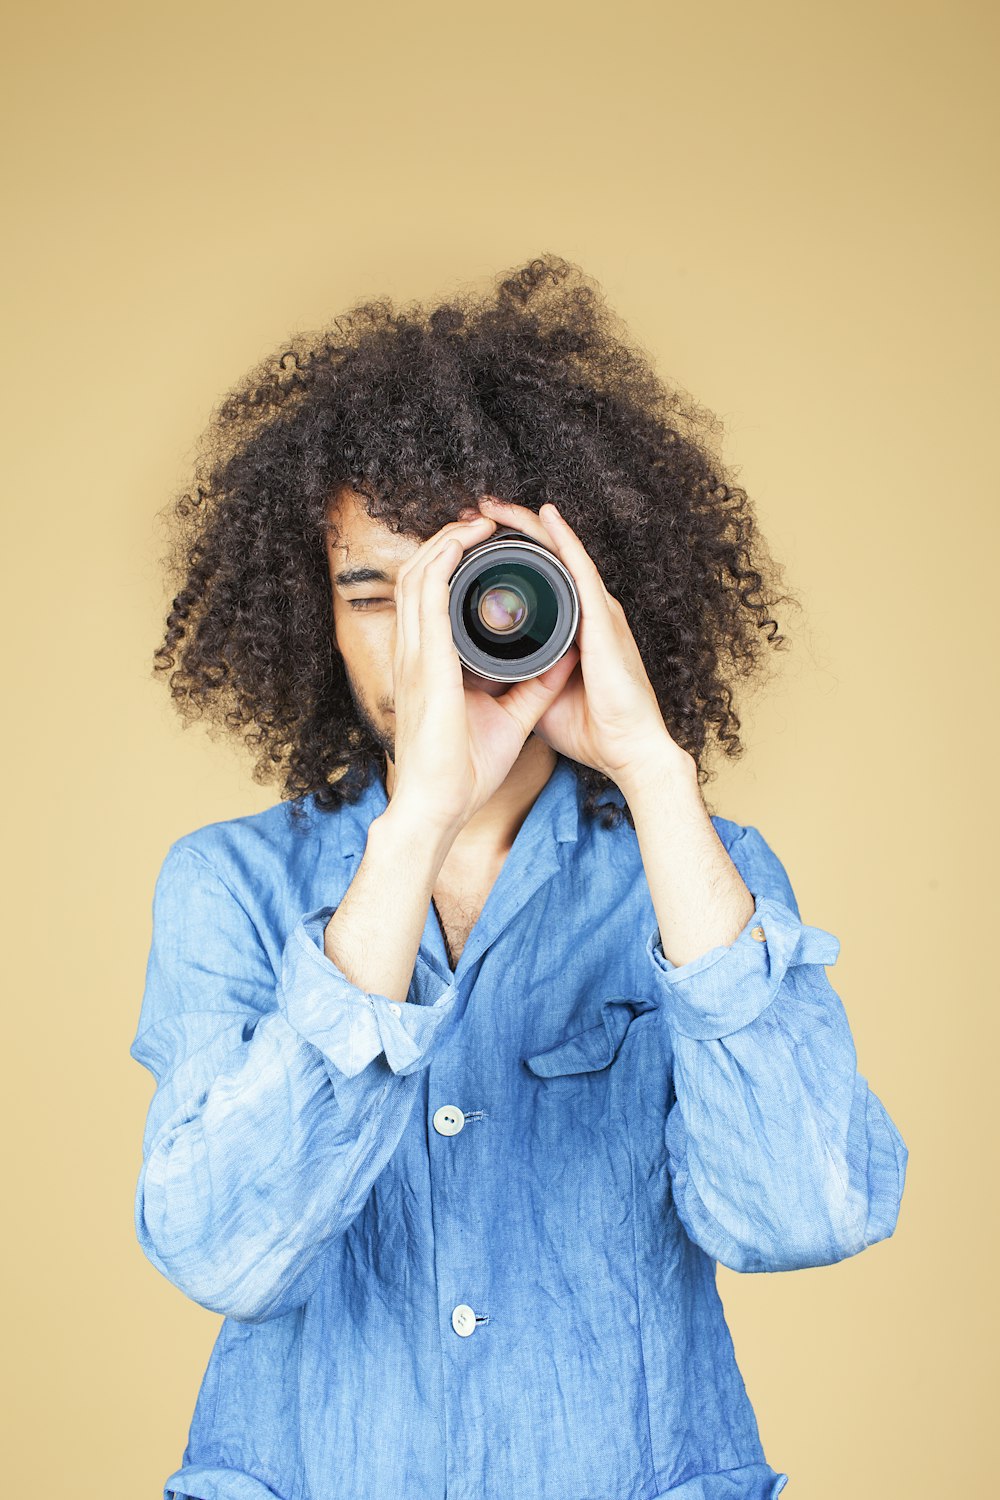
780, 1155
351, 1026
278, 1100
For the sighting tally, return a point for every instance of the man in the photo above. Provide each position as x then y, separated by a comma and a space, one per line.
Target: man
466, 1079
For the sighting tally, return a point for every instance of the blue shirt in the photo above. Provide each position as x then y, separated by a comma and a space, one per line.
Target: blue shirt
464, 1247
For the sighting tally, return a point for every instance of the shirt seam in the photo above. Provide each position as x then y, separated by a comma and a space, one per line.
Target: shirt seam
178, 849
638, 1298
196, 854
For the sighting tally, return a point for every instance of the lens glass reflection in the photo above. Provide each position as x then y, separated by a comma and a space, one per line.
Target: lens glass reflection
510, 611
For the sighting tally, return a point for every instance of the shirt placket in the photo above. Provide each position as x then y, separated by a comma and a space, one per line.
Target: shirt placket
466, 1144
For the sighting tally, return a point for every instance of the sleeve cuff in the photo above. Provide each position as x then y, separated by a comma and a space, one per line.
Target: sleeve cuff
349, 1025
728, 987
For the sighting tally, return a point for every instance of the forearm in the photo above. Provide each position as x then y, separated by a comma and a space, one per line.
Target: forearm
699, 896
258, 1169
780, 1156
374, 935
268, 1126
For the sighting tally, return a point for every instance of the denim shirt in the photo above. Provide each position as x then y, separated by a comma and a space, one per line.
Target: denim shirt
464, 1248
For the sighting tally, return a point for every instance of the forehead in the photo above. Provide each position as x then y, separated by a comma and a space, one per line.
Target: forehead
361, 541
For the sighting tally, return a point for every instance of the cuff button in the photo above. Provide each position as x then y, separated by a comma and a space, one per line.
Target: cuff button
758, 933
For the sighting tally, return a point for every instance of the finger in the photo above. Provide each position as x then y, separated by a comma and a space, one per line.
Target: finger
476, 531
519, 516
433, 615
549, 533
526, 702
409, 587
594, 596
569, 544
450, 542
428, 547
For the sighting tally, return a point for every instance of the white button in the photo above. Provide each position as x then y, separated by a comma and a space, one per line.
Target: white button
448, 1120
394, 1007
463, 1320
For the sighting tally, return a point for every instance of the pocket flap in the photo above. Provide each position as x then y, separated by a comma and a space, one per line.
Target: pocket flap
594, 1047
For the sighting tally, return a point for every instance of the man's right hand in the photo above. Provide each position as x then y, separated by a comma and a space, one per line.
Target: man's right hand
455, 741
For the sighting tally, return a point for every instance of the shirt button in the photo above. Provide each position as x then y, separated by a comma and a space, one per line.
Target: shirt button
758, 933
448, 1120
463, 1320
394, 1007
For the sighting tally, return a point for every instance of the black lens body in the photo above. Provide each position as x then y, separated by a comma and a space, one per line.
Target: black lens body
514, 607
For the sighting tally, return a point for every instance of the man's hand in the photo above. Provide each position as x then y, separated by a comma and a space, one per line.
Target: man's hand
606, 716
455, 743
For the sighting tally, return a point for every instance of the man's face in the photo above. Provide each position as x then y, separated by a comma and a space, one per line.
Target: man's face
363, 563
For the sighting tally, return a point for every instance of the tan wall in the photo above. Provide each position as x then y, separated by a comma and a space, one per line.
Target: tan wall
791, 206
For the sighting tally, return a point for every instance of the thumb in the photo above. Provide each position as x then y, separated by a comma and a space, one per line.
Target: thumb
527, 701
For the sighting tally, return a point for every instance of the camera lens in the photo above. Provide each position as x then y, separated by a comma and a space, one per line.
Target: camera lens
501, 608
514, 607
509, 611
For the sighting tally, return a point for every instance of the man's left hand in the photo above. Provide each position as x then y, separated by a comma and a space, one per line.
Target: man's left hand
606, 715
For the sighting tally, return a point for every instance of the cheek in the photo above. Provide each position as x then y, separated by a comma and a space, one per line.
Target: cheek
366, 638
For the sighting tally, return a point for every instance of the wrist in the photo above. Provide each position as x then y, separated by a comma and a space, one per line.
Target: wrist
662, 770
406, 832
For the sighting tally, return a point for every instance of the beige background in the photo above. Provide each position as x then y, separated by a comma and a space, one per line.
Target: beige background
793, 207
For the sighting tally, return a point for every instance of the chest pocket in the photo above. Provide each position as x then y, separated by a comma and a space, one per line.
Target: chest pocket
596, 1046
574, 1133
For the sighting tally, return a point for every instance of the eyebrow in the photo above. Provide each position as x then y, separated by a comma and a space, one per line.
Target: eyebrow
350, 576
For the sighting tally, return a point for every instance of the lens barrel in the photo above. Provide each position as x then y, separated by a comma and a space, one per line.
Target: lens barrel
514, 607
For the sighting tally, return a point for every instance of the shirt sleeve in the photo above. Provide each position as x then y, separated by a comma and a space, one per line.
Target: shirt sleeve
779, 1153
278, 1100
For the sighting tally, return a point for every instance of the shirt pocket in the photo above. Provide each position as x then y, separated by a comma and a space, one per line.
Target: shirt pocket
573, 1134
580, 1086
596, 1045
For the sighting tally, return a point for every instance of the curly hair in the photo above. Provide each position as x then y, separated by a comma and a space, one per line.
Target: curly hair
532, 392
